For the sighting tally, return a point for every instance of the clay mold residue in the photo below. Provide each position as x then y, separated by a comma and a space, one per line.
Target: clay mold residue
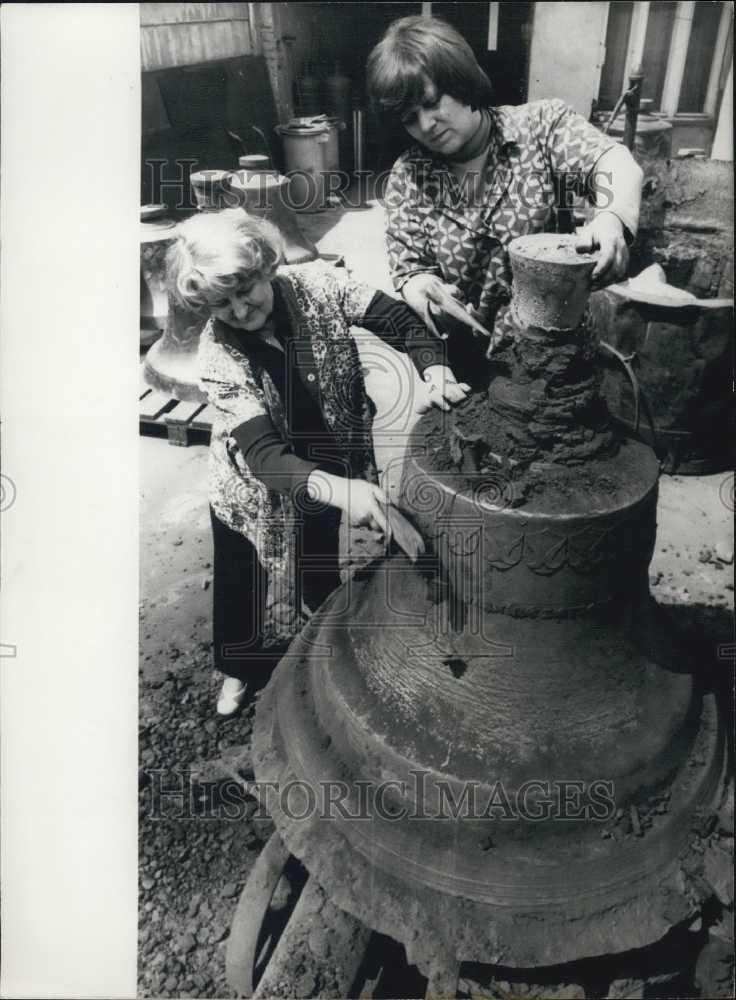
551, 281
552, 248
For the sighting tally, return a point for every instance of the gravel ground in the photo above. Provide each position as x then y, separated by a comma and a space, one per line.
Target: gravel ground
192, 865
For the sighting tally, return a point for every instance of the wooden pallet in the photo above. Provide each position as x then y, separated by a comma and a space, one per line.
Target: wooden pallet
182, 423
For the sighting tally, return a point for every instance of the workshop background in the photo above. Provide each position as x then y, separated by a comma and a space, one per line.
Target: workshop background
208, 67
211, 71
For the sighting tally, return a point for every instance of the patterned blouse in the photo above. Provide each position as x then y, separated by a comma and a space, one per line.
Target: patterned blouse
322, 303
537, 152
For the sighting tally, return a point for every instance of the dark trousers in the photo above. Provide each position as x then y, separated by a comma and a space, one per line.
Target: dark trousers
240, 585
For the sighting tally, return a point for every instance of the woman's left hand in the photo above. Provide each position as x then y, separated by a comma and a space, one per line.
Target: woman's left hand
443, 390
605, 233
405, 534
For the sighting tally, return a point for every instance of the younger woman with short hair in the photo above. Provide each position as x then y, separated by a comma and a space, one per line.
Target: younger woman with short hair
477, 177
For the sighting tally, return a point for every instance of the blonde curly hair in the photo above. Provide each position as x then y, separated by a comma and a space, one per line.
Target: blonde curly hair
215, 252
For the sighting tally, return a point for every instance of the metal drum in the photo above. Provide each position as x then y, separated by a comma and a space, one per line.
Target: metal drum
682, 355
306, 143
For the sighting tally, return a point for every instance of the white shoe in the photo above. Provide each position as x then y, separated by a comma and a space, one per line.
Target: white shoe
232, 696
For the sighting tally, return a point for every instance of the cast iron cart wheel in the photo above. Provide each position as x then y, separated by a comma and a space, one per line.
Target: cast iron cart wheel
250, 914
306, 946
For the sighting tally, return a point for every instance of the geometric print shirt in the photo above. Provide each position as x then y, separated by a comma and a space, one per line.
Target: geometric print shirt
540, 154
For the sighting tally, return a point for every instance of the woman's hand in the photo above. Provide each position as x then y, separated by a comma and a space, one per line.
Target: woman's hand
443, 390
405, 534
423, 289
364, 503
367, 504
606, 234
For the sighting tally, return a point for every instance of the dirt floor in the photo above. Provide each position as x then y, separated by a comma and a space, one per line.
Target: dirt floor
193, 866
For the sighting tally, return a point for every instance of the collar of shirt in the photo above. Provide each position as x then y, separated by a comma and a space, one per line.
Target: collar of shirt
504, 133
440, 185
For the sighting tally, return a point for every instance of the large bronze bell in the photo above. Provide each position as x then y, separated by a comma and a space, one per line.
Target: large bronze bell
171, 363
496, 756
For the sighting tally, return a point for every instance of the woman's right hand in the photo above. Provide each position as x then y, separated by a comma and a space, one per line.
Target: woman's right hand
425, 289
434, 300
364, 503
367, 504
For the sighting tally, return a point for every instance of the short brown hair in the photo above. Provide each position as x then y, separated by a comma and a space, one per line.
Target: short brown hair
417, 47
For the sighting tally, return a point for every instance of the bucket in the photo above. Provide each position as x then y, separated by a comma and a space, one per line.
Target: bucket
211, 190
682, 355
306, 144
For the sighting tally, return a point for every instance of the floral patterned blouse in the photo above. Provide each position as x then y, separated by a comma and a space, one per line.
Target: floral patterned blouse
434, 226
322, 303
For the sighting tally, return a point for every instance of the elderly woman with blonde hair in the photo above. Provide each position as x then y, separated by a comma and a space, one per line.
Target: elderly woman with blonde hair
291, 449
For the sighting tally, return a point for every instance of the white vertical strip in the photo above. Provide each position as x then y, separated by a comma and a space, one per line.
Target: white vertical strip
711, 95
723, 140
605, 11
426, 10
492, 26
255, 35
71, 106
678, 54
637, 35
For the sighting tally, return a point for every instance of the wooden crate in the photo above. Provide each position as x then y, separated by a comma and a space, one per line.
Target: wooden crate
181, 423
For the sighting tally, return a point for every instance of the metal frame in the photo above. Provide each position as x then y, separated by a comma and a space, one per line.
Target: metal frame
677, 57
